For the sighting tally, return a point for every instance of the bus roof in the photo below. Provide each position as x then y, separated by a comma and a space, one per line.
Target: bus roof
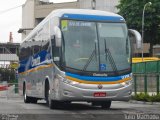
80, 14
86, 14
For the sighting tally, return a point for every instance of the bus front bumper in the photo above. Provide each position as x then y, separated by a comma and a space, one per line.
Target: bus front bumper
67, 92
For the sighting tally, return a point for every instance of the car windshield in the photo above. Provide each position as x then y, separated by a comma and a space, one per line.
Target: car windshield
95, 46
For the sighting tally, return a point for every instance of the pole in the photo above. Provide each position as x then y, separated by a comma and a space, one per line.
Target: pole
149, 3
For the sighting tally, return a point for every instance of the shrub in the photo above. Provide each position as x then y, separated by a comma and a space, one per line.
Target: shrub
146, 97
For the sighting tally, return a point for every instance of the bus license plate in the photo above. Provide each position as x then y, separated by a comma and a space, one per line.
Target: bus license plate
100, 94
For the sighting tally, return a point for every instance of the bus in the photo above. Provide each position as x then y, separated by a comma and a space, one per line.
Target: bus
77, 55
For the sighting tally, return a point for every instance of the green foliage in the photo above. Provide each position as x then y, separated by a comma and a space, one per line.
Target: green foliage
146, 97
7, 75
132, 11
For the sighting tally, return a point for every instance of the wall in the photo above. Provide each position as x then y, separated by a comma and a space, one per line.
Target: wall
27, 16
33, 11
42, 11
107, 5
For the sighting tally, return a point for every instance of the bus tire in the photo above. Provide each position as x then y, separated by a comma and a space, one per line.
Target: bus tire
106, 104
51, 104
47, 91
26, 98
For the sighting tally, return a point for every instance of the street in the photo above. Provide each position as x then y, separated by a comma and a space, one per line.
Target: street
15, 109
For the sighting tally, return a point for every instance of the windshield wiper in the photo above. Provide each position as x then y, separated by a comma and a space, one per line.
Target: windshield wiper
111, 60
90, 58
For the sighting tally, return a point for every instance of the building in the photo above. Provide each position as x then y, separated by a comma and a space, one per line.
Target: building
138, 52
8, 54
106, 5
34, 11
156, 50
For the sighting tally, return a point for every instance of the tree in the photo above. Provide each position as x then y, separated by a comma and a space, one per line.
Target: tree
132, 11
7, 75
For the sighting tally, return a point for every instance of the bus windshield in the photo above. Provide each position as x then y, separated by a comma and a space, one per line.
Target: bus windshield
95, 46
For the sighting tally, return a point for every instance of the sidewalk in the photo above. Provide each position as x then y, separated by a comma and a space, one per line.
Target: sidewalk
143, 102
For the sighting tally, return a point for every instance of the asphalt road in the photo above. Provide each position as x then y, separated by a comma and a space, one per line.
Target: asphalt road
17, 110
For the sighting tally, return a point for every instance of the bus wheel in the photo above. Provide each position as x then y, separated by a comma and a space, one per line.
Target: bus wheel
26, 98
106, 104
49, 101
51, 104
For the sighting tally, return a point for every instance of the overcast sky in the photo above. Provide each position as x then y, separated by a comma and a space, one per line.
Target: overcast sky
11, 20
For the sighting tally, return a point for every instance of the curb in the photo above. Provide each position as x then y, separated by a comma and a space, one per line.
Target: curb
143, 102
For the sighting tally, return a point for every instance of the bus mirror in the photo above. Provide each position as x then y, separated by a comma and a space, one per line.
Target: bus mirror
58, 37
135, 36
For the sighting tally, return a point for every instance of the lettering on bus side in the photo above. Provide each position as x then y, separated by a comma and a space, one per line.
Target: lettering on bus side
36, 61
103, 74
126, 76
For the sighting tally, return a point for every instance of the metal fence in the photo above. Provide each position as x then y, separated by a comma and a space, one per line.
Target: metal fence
146, 76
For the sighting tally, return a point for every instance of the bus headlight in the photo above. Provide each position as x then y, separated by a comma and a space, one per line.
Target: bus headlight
126, 83
67, 81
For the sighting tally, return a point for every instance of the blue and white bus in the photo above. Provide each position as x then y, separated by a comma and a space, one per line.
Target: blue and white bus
77, 55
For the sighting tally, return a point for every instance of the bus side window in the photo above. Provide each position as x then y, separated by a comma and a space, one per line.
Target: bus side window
24, 53
55, 51
21, 54
36, 47
45, 45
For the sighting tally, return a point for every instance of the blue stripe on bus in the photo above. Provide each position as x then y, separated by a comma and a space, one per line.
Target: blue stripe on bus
95, 78
93, 17
26, 64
